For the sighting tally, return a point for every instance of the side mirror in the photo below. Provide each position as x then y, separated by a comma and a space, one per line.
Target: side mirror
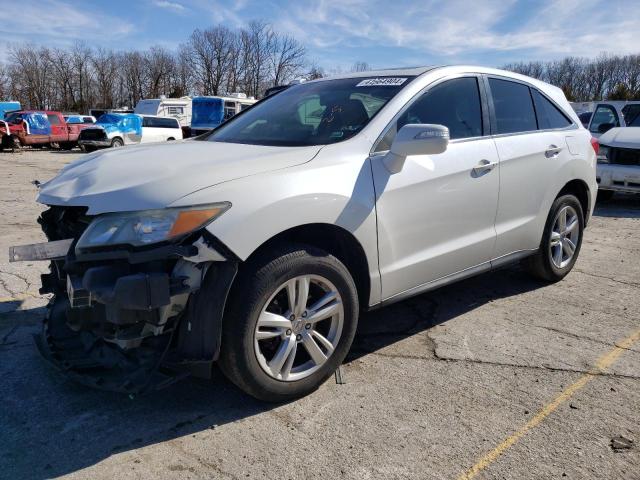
416, 139
605, 127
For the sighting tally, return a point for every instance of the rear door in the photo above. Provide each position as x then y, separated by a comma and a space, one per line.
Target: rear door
532, 136
436, 216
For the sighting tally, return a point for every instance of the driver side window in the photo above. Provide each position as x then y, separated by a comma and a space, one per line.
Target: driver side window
453, 103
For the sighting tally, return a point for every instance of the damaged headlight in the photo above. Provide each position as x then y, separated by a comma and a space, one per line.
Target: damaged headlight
148, 226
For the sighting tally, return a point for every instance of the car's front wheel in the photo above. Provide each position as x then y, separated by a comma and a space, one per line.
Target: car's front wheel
561, 240
290, 323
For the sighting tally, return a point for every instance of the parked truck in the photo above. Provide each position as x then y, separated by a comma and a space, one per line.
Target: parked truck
38, 128
210, 112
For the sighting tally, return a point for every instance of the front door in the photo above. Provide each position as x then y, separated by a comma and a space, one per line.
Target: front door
59, 132
436, 217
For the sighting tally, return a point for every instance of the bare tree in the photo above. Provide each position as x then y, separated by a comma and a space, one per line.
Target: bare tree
29, 75
105, 67
360, 67
286, 58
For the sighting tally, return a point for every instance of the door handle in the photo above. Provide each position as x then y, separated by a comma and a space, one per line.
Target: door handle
552, 151
483, 167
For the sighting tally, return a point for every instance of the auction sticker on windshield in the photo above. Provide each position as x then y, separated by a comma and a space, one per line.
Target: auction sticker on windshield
381, 82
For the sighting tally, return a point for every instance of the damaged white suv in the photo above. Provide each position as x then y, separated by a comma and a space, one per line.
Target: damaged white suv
258, 245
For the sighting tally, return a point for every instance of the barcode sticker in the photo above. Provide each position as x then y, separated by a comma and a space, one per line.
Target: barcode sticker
382, 82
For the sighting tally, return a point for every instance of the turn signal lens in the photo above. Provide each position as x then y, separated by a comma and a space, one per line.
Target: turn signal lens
190, 220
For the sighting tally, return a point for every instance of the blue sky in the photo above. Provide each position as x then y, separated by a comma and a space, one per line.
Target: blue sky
339, 33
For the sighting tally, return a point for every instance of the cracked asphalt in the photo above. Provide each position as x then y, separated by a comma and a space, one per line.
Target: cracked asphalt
497, 377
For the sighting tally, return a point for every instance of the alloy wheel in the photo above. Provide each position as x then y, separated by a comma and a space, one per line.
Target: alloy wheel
565, 236
299, 328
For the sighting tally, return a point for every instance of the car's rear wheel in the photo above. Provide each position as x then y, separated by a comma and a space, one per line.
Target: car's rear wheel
117, 142
88, 148
289, 324
561, 240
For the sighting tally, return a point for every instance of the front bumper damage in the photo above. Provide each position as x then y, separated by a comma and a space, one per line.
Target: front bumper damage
130, 320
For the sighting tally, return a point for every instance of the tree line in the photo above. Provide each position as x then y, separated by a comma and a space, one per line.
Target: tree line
214, 61
605, 77
220, 60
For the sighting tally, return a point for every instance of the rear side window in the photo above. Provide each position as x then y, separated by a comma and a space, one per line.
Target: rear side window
513, 106
53, 119
604, 118
159, 122
549, 116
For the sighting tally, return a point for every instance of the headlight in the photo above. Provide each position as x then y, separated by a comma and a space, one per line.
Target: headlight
603, 154
148, 226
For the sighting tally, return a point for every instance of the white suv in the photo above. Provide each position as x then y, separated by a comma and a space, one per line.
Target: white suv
259, 244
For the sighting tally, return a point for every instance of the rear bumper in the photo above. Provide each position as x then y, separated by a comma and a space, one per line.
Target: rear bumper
619, 178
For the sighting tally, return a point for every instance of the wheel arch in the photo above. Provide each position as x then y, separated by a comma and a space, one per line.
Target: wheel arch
336, 241
581, 191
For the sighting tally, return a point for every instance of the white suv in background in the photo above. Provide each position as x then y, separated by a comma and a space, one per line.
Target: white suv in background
259, 244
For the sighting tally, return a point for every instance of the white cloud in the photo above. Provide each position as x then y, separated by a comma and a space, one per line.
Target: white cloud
462, 29
176, 7
56, 23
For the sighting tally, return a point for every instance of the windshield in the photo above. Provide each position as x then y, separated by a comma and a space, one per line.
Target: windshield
317, 113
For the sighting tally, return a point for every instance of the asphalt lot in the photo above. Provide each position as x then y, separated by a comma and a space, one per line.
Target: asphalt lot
495, 377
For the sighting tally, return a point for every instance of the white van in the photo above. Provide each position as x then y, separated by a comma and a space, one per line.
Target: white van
178, 108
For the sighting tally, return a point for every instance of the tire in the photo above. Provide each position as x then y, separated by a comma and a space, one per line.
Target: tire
117, 143
170, 139
88, 148
546, 264
67, 145
604, 195
247, 361
16, 144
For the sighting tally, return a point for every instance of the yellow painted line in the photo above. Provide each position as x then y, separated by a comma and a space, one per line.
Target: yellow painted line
600, 366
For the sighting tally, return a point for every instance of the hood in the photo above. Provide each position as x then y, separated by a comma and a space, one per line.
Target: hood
621, 137
154, 176
107, 127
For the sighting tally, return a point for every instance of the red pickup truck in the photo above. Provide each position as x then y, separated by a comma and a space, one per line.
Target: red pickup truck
38, 128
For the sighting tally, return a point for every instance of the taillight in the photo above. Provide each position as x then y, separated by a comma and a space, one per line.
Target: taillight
595, 145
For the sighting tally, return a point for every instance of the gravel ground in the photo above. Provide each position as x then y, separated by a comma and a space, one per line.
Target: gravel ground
495, 377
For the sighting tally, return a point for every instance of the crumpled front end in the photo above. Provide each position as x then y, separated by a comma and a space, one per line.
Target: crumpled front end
131, 319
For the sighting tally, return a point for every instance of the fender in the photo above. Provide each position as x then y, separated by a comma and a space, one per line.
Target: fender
264, 206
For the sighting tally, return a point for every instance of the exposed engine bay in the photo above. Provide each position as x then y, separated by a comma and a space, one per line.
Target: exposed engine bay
133, 319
